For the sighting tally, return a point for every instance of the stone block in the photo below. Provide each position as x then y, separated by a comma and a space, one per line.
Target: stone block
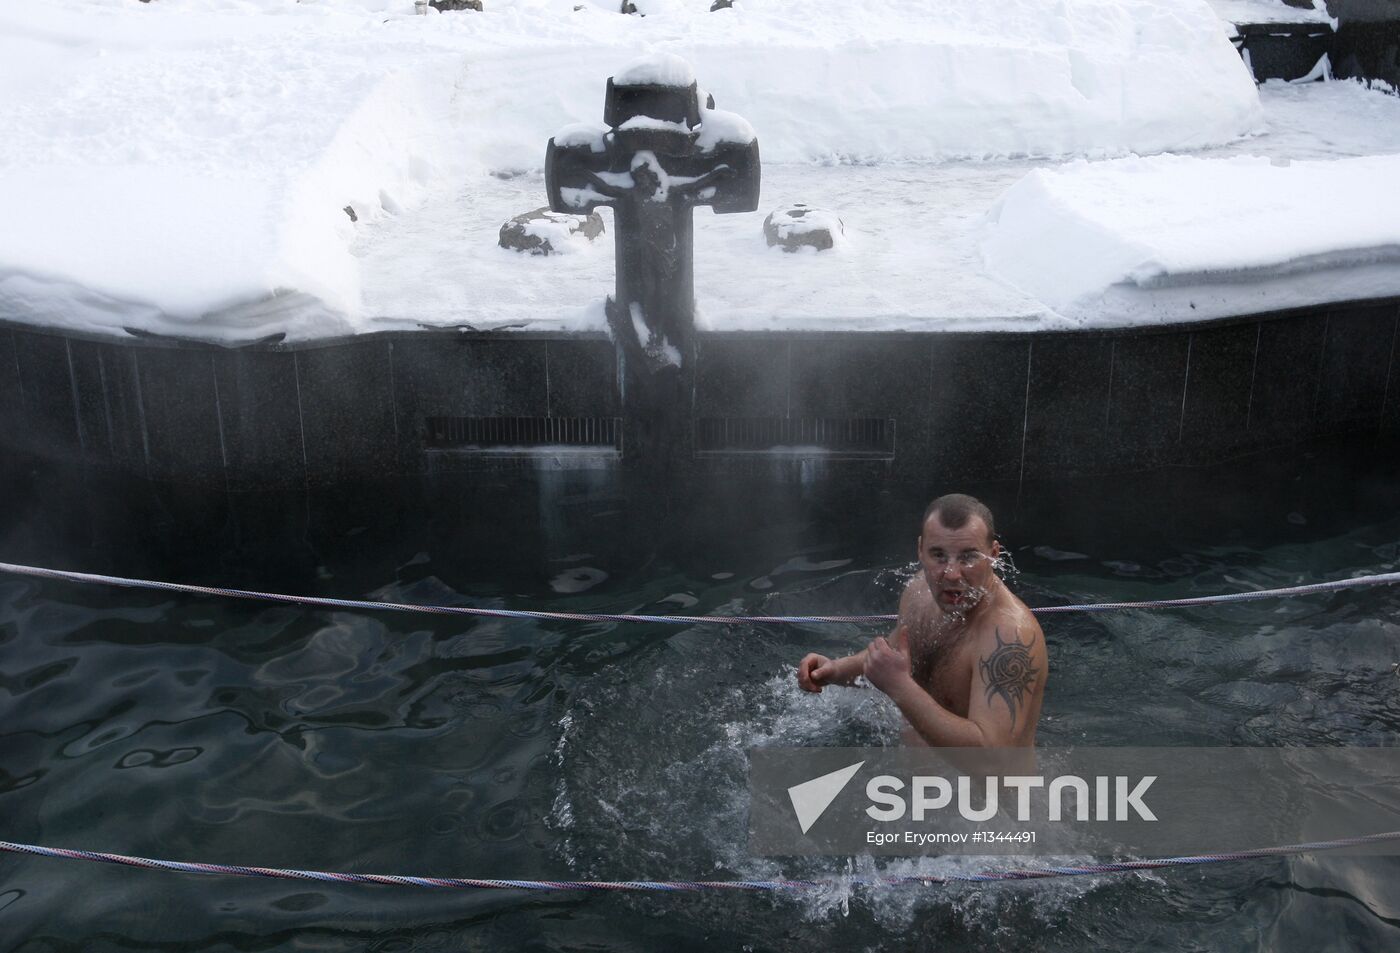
1147, 378
123, 406
261, 419
468, 376
884, 377
1215, 413
347, 410
464, 376
581, 378
1284, 388
1390, 411
46, 379
1354, 368
976, 408
542, 232
795, 227
1275, 55
859, 376
183, 440
12, 414
740, 375
94, 415
1067, 405
1367, 44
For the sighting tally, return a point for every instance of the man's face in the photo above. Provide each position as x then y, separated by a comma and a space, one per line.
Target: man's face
958, 563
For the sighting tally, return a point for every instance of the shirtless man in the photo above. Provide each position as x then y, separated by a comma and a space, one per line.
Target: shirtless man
966, 664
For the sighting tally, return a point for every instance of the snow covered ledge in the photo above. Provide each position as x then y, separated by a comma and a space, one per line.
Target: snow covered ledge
182, 167
199, 173
1172, 238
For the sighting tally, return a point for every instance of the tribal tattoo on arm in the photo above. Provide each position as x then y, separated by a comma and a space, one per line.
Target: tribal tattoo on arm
1008, 672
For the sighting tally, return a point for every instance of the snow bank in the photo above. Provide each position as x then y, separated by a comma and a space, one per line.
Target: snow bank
887, 80
170, 172
184, 166
1145, 240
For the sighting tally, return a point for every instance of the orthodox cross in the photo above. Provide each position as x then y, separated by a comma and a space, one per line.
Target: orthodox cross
658, 156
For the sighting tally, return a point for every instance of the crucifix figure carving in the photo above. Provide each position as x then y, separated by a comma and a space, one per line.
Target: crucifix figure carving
658, 155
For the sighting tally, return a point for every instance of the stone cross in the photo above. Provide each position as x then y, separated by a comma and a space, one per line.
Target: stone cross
659, 155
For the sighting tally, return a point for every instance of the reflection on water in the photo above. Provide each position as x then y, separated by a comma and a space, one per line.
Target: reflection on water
246, 733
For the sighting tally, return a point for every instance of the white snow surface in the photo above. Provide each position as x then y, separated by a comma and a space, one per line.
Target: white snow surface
1156, 239
659, 69
911, 261
182, 167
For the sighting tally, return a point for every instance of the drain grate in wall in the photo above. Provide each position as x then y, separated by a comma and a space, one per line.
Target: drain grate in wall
500, 434
853, 436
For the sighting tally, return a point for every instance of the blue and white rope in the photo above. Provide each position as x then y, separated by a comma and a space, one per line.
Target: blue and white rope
907, 880
1381, 579
1028, 873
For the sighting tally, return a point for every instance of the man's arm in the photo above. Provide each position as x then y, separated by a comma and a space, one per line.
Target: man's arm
818, 670
1006, 687
1008, 683
815, 670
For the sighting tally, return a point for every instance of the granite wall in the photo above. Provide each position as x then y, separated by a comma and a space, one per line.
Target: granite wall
901, 408
1365, 44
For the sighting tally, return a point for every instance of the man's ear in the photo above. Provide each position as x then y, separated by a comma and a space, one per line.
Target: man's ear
996, 548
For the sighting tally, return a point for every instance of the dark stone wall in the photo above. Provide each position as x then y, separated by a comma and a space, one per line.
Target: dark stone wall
268, 417
1054, 405
1365, 44
1365, 11
1368, 49
962, 407
1284, 51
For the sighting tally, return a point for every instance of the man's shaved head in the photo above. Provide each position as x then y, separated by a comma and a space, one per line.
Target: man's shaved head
955, 509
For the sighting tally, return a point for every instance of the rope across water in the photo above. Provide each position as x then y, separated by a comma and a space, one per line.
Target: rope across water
785, 886
1381, 579
991, 876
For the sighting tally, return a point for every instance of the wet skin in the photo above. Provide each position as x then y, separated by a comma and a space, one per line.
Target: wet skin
966, 663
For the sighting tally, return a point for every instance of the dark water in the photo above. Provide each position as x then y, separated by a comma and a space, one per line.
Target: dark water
244, 733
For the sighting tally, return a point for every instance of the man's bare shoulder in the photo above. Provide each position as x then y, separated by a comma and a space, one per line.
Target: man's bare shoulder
1011, 621
916, 595
1018, 611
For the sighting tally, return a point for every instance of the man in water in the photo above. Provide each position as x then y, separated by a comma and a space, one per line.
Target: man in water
966, 664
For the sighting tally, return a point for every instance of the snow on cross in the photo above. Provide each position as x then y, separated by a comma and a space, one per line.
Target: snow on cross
660, 154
